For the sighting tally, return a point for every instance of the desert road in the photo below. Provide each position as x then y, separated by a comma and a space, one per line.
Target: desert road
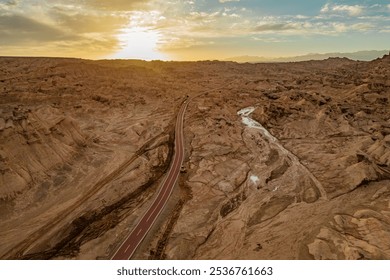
128, 247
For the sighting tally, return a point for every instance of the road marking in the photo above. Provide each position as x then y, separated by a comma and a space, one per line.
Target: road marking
167, 183
166, 188
127, 248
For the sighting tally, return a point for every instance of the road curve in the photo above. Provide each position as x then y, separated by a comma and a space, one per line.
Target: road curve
128, 247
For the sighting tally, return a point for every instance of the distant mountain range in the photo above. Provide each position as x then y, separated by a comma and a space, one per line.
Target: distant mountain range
361, 55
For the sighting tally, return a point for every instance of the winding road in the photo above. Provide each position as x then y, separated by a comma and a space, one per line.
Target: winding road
128, 247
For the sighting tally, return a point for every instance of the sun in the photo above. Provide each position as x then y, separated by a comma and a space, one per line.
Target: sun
139, 43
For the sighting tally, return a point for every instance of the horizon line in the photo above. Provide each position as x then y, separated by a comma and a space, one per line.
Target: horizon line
267, 59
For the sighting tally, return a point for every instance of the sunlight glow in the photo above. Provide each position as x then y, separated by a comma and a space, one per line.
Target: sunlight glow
139, 43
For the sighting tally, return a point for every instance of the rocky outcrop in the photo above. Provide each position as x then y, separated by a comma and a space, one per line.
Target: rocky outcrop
283, 161
311, 148
33, 144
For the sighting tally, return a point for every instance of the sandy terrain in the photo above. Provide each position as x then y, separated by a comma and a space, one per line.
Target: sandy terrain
283, 161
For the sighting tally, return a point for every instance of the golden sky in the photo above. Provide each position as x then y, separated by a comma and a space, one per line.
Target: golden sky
191, 30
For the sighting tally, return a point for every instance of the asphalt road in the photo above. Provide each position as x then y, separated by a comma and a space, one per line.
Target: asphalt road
128, 247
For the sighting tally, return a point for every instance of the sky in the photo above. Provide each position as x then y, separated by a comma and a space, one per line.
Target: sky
191, 30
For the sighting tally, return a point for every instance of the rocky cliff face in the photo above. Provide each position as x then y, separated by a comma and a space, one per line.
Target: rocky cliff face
283, 161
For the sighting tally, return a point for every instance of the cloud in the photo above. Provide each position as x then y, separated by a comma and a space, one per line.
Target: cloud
203, 16
225, 1
217, 25
301, 17
9, 2
79, 22
66, 27
340, 27
8, 5
352, 10
173, 44
270, 40
21, 35
85, 48
17, 29
96, 27
274, 27
325, 8
118, 5
362, 26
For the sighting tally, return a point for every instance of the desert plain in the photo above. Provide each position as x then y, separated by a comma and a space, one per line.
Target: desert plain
282, 160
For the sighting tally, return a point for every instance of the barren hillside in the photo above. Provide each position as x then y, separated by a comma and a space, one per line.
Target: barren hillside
283, 161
